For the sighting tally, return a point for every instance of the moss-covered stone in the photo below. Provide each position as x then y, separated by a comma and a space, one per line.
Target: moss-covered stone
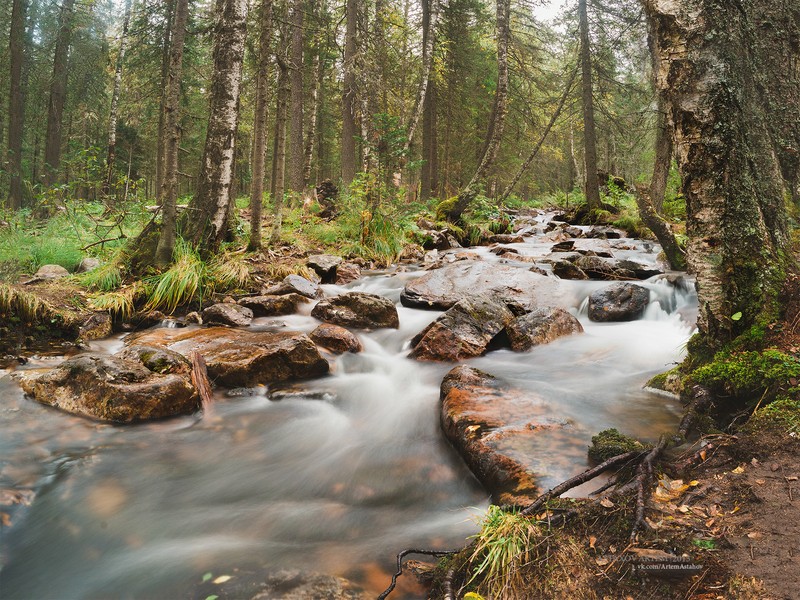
750, 374
610, 442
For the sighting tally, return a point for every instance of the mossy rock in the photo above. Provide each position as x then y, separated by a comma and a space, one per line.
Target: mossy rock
444, 207
610, 443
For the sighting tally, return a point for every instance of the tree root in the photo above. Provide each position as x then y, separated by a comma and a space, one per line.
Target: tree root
399, 572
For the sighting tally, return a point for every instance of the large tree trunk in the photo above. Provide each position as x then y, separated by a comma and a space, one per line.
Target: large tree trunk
207, 225
260, 123
496, 126
279, 150
349, 95
168, 192
114, 114
166, 49
311, 133
709, 75
16, 102
296, 142
591, 183
58, 93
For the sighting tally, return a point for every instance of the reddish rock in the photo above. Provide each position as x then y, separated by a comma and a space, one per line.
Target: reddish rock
272, 305
336, 339
347, 272
242, 358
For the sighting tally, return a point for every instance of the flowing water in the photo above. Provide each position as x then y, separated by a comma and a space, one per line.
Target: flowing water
334, 476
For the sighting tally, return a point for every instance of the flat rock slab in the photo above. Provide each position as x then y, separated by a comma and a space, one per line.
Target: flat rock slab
273, 305
227, 313
242, 358
111, 388
493, 426
441, 288
294, 284
359, 310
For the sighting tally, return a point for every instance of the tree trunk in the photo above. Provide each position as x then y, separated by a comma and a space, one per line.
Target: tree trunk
209, 208
430, 15
591, 183
114, 115
349, 95
168, 192
166, 49
58, 93
311, 133
495, 133
16, 102
296, 141
709, 76
260, 123
279, 153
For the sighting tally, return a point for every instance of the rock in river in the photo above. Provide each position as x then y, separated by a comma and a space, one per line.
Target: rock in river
464, 331
493, 426
242, 358
541, 326
358, 309
273, 305
336, 339
442, 288
294, 284
227, 313
618, 302
112, 388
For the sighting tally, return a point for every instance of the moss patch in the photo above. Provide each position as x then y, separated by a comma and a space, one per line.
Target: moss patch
610, 442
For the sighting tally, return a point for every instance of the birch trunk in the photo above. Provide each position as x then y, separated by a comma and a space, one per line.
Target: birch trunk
16, 102
296, 145
349, 95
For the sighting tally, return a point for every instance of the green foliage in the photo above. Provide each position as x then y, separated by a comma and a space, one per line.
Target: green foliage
24, 305
783, 413
610, 442
750, 374
184, 282
104, 278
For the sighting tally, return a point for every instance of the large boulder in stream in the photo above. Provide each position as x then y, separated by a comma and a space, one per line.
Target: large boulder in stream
227, 313
242, 358
325, 266
113, 388
498, 430
442, 288
464, 331
336, 339
541, 326
273, 305
618, 302
359, 310
294, 284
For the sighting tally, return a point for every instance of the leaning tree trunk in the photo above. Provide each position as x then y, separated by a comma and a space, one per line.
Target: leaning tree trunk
58, 93
709, 74
168, 192
16, 102
260, 123
495, 133
114, 114
591, 182
207, 224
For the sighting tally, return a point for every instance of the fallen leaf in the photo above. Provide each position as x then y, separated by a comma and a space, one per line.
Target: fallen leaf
738, 470
222, 579
761, 481
791, 478
207, 576
592, 541
605, 502
754, 535
683, 508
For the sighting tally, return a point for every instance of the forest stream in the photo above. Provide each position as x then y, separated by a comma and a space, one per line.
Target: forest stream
334, 475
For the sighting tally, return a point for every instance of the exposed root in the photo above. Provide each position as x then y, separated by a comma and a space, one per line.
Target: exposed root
399, 572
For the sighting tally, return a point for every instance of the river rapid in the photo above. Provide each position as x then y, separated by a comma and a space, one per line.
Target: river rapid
335, 475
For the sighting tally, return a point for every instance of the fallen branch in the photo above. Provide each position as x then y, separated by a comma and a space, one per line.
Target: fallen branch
579, 479
200, 380
644, 477
399, 572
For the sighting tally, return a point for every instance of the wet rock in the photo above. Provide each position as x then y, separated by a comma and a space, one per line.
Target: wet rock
88, 264
359, 310
572, 231
240, 357
610, 443
273, 306
464, 331
541, 326
193, 317
347, 272
618, 302
146, 319
539, 270
441, 288
50, 272
227, 313
639, 270
96, 326
505, 238
597, 267
336, 339
566, 270
111, 388
500, 250
295, 585
294, 284
566, 246
603, 233
156, 359
325, 266
493, 427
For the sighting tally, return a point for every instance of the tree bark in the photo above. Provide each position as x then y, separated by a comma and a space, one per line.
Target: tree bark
168, 193
349, 95
166, 49
58, 93
311, 133
296, 140
495, 133
260, 123
430, 16
114, 114
710, 77
209, 208
279, 153
16, 102
591, 183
